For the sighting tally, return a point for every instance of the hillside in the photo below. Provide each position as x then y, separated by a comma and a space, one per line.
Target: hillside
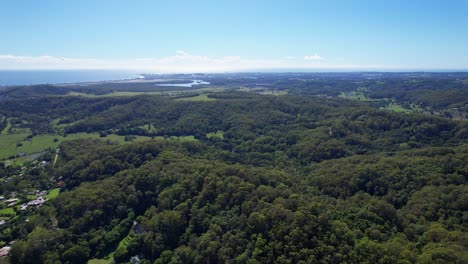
242, 178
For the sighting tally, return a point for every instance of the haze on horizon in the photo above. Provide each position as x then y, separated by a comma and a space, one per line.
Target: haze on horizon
214, 36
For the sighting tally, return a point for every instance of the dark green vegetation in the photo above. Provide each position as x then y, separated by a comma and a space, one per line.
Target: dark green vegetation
256, 178
441, 94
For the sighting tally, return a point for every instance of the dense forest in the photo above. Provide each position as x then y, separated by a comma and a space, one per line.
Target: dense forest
307, 177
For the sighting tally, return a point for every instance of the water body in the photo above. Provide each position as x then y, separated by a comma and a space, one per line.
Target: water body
194, 82
29, 77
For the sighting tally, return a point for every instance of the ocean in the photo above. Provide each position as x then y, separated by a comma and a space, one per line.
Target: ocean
29, 77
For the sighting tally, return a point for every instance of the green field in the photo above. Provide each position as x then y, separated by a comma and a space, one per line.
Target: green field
262, 90
43, 142
391, 106
18, 130
21, 160
99, 261
53, 193
8, 211
40, 143
184, 138
124, 242
5, 131
274, 92
397, 108
355, 96
218, 134
201, 98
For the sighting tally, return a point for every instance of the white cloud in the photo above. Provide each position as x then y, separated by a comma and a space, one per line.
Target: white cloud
313, 57
181, 61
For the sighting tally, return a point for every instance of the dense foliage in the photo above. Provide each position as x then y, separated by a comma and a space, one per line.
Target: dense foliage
286, 179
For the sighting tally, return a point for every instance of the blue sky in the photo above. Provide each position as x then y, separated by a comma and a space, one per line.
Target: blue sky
234, 35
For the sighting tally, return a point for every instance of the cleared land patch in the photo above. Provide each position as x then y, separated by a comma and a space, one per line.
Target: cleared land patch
18, 144
15, 144
201, 97
218, 134
7, 128
7, 212
53, 193
355, 96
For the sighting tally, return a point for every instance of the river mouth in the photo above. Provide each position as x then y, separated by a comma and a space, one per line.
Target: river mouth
193, 83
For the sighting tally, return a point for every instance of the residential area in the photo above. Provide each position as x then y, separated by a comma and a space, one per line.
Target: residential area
23, 190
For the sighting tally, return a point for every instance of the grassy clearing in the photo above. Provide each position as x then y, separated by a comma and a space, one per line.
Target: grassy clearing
274, 92
54, 124
262, 90
8, 211
397, 108
355, 96
10, 143
148, 128
124, 242
17, 143
13, 144
218, 134
391, 106
200, 90
5, 130
184, 138
40, 143
20, 130
100, 261
201, 98
53, 193
81, 94
131, 93
21, 160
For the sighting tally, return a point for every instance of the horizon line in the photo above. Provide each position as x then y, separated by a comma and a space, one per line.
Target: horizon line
266, 70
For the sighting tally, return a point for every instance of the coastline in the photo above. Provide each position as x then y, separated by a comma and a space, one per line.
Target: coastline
9, 78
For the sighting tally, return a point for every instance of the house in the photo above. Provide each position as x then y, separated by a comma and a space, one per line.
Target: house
2, 222
39, 201
137, 228
135, 260
4, 251
12, 200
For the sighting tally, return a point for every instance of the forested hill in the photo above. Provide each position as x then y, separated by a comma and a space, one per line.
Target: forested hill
262, 179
